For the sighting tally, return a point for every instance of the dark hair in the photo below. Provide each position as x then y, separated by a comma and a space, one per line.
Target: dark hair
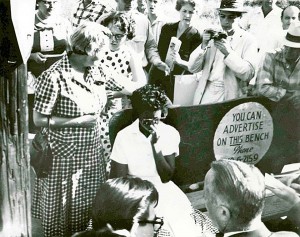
237, 14
149, 98
122, 20
180, 3
241, 186
121, 201
104, 232
283, 10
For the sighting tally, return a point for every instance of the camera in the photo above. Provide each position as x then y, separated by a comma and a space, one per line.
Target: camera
216, 35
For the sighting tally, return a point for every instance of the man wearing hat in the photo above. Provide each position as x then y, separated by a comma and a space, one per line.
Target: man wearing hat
227, 64
279, 76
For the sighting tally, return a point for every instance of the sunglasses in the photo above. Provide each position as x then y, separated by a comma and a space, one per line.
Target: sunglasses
157, 223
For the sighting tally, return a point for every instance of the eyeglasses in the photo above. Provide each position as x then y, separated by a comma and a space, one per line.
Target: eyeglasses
157, 223
151, 121
116, 36
48, 3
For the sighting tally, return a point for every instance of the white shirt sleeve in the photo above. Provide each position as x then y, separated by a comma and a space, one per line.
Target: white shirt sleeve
118, 152
170, 142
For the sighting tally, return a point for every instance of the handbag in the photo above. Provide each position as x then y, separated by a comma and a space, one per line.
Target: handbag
41, 157
184, 89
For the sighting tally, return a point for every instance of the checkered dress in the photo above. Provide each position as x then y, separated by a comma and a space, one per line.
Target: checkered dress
92, 12
63, 199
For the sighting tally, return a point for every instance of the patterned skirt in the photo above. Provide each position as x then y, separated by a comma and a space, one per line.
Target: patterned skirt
63, 200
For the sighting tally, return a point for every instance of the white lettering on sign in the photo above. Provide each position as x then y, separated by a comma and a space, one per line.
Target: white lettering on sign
245, 133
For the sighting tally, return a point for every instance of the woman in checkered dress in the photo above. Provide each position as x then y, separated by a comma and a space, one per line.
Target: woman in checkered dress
71, 95
119, 62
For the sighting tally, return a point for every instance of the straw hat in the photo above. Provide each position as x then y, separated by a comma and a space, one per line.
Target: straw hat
292, 38
232, 6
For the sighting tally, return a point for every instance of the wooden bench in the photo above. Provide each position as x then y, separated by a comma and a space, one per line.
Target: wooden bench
197, 126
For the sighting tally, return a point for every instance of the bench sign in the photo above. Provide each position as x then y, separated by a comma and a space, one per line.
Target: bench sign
245, 133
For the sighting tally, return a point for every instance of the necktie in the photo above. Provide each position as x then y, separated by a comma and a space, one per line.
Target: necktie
219, 234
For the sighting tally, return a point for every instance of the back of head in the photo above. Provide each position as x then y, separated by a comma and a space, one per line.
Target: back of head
149, 98
121, 201
241, 187
88, 37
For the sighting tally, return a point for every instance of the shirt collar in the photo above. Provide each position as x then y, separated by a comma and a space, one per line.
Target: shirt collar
279, 56
256, 226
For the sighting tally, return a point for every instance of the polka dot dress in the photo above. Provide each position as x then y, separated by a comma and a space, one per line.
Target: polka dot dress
118, 61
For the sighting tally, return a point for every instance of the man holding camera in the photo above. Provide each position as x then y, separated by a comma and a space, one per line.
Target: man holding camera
228, 60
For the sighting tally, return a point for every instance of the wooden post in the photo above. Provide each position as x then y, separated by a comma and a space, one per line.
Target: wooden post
15, 217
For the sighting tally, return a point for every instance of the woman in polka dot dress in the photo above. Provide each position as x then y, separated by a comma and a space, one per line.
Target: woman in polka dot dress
124, 71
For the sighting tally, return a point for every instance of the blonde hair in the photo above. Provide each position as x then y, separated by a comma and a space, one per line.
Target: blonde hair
89, 38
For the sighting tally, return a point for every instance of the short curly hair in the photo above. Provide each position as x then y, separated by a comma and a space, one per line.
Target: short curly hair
180, 3
122, 20
149, 98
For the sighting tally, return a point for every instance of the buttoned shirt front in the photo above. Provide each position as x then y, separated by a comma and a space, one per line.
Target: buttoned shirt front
275, 77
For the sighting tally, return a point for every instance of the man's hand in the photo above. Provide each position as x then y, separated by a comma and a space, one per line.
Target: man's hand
224, 46
38, 57
163, 67
295, 99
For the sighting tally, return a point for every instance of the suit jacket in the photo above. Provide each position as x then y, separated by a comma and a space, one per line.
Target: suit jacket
241, 65
264, 232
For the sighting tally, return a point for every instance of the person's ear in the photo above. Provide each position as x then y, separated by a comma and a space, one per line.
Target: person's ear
224, 214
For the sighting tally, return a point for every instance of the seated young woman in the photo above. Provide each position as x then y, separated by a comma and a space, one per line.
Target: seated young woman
148, 149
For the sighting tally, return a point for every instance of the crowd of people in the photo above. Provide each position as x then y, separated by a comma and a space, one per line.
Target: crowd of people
107, 58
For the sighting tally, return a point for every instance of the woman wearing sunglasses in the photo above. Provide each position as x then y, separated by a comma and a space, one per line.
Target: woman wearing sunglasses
122, 67
148, 149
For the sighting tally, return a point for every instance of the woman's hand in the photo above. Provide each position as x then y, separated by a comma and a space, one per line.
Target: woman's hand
38, 57
206, 37
154, 136
176, 58
87, 120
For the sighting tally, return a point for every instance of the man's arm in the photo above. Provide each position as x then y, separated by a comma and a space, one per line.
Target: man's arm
152, 51
244, 66
266, 78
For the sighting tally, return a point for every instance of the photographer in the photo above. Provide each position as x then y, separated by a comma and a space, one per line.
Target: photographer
228, 60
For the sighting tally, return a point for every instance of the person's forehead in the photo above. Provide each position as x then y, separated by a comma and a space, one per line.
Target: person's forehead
291, 11
227, 13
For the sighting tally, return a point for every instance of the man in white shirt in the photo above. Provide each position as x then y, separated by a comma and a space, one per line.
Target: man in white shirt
234, 197
262, 22
289, 15
154, 7
143, 43
227, 63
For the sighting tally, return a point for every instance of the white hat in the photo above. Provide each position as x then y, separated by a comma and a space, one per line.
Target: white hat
292, 38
